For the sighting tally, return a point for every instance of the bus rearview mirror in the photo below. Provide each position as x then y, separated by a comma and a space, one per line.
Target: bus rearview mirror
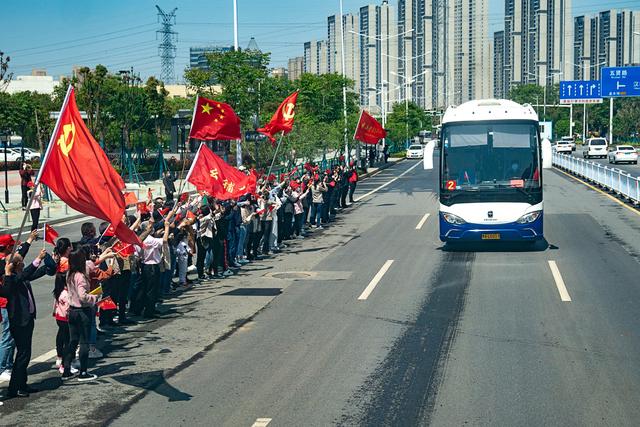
546, 154
428, 154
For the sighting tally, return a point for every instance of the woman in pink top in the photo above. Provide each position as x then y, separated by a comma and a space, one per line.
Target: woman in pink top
61, 301
80, 312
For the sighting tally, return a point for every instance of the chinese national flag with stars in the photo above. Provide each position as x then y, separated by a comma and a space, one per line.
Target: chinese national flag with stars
77, 170
282, 120
213, 120
369, 130
213, 175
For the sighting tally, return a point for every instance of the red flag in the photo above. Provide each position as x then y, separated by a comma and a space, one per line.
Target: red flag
184, 198
369, 130
282, 120
130, 198
142, 207
107, 304
77, 170
211, 174
123, 249
191, 215
214, 120
110, 231
50, 235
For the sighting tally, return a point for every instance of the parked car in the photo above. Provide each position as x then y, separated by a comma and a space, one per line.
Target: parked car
30, 154
623, 153
415, 151
563, 147
595, 147
11, 153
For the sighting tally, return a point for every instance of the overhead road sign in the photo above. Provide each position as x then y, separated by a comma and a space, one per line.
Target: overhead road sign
580, 92
618, 82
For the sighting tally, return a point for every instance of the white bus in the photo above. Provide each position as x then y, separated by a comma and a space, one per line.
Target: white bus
491, 161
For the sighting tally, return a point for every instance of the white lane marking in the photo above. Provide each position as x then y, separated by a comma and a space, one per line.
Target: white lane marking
374, 282
422, 221
388, 182
557, 277
43, 358
262, 422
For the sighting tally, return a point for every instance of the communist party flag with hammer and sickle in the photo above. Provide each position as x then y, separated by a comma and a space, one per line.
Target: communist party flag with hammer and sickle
213, 120
369, 130
77, 170
282, 120
213, 175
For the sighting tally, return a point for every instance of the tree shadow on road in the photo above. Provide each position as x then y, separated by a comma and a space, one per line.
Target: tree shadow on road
156, 382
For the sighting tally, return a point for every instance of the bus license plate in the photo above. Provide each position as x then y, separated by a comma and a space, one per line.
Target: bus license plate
492, 236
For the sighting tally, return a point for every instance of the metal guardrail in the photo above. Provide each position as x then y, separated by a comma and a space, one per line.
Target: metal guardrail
612, 179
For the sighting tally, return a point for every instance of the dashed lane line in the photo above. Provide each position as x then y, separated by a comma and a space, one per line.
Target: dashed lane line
557, 277
261, 422
422, 221
374, 282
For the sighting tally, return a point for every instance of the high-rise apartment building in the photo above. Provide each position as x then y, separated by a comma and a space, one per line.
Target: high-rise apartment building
609, 39
295, 68
378, 56
538, 40
315, 57
445, 56
351, 47
498, 65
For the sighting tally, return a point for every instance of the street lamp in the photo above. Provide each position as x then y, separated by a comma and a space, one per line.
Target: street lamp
407, 83
546, 80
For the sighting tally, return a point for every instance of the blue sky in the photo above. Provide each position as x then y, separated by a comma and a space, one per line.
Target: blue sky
57, 34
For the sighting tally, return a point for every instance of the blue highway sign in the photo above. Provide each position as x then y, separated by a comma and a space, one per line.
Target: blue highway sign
580, 92
620, 82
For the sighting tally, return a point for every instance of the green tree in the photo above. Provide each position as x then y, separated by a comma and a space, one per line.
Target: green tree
402, 126
158, 108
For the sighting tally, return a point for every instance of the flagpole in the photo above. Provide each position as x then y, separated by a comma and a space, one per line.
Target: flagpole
42, 165
275, 154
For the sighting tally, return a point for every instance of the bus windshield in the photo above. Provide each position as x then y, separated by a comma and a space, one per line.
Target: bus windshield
490, 161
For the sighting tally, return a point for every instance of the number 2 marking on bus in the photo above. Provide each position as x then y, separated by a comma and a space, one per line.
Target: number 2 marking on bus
451, 185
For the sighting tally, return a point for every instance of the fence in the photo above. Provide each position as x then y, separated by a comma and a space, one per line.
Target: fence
614, 180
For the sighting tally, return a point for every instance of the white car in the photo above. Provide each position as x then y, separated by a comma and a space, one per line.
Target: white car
11, 153
415, 152
595, 147
30, 154
563, 147
623, 153
571, 142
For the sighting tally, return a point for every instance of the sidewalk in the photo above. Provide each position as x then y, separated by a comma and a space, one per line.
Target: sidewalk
55, 211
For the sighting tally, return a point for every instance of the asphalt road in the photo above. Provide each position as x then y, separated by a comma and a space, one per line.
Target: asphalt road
387, 326
627, 167
476, 337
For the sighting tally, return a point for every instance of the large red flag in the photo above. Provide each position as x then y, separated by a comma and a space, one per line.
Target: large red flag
77, 170
282, 120
214, 120
212, 174
369, 130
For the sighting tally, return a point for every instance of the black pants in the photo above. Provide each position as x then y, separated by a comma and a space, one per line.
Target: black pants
22, 335
352, 189
150, 285
253, 244
35, 218
123, 294
344, 191
218, 255
288, 225
266, 235
200, 254
109, 289
297, 224
25, 198
79, 327
62, 338
168, 196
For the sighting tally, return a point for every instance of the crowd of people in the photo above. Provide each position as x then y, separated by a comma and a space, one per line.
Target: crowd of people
100, 282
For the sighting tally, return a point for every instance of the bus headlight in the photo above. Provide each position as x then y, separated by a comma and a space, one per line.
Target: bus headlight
453, 219
529, 218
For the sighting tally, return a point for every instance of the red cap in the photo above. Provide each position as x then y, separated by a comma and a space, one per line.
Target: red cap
6, 240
